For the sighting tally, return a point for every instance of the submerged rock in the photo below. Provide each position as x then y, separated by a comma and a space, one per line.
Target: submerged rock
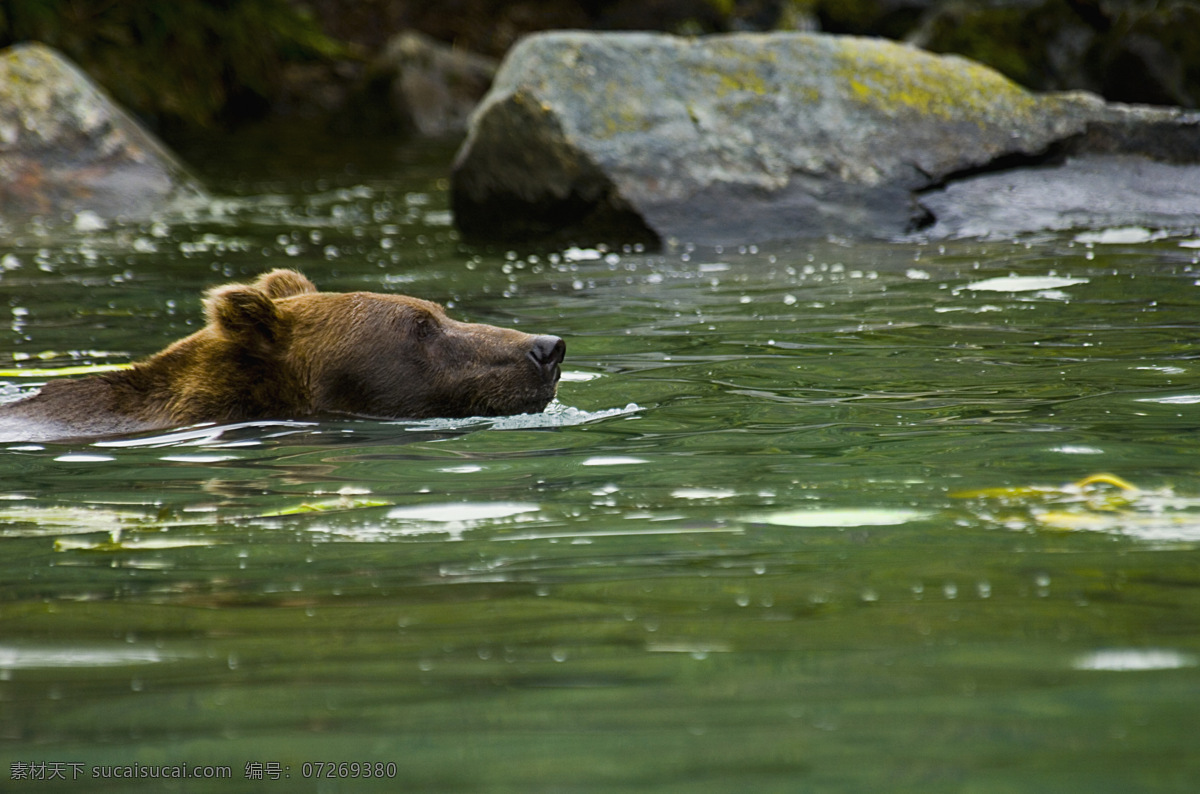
750, 137
68, 151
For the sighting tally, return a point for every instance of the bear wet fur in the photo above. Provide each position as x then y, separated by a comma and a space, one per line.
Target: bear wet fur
279, 349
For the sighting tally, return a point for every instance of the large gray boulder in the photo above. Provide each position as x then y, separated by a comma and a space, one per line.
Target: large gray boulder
66, 149
750, 137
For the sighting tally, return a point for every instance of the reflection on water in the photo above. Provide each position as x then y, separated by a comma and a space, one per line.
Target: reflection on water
804, 517
210, 435
1134, 659
15, 658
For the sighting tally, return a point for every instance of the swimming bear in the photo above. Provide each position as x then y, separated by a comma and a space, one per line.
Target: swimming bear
279, 349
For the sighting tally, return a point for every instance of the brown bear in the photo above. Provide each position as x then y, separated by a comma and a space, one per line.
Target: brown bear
279, 349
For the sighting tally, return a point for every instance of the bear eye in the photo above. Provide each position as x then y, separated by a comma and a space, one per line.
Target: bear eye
425, 327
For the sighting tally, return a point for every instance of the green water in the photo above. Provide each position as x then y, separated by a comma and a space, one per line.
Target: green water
800, 520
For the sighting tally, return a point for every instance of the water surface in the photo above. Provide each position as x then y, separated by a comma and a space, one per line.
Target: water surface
806, 517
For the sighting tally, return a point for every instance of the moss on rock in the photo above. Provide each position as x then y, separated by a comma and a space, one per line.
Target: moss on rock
895, 80
749, 136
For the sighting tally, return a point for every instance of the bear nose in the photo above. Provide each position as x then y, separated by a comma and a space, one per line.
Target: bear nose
547, 353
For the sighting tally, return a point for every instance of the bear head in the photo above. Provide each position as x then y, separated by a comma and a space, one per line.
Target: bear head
278, 347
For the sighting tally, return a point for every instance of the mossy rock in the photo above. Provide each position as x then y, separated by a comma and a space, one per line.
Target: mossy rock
66, 148
746, 136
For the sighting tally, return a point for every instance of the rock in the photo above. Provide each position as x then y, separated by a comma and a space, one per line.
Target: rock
749, 137
1093, 191
67, 151
428, 87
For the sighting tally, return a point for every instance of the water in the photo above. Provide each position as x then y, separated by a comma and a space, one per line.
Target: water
806, 517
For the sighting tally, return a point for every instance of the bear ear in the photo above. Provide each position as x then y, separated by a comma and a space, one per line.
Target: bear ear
245, 315
283, 283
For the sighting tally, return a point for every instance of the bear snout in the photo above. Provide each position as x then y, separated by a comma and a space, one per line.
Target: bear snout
547, 353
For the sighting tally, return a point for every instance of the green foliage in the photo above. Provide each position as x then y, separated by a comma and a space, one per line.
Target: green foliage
189, 60
866, 17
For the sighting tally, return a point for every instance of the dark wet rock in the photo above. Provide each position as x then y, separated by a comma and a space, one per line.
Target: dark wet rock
68, 151
426, 87
750, 137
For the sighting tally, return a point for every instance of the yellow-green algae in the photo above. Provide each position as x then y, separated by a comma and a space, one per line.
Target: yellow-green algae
895, 79
738, 68
59, 372
625, 113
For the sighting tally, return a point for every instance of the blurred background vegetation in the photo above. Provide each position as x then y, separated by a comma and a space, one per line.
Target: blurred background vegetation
192, 62
223, 63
